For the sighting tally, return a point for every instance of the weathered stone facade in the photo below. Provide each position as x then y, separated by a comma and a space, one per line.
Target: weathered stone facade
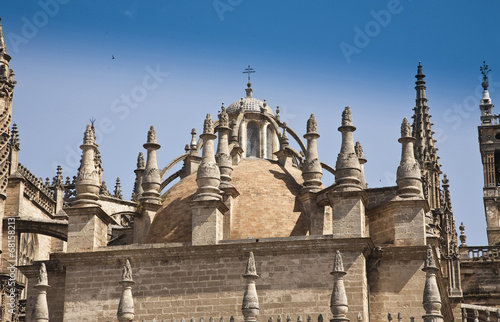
249, 231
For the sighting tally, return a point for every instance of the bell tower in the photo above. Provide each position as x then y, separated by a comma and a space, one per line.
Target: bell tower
489, 146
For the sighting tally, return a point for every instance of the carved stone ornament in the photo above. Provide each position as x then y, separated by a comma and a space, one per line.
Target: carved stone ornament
312, 126
223, 117
152, 135
141, 164
346, 117
338, 265
42, 275
405, 128
88, 135
127, 271
208, 125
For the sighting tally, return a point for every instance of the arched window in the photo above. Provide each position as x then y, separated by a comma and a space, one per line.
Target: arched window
253, 142
269, 143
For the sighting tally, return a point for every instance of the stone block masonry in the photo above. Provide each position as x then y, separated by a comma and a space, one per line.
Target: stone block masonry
200, 281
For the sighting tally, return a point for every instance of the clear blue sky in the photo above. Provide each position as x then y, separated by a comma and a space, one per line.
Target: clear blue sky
175, 61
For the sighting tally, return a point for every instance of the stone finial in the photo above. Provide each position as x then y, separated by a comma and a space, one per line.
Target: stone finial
126, 305
347, 117
348, 168
242, 107
58, 179
311, 124
193, 146
223, 117
408, 177
141, 164
40, 308
284, 137
389, 317
463, 237
311, 167
359, 150
405, 128
152, 135
103, 190
431, 296
208, 175
250, 305
87, 183
118, 189
208, 125
338, 301
277, 117
360, 317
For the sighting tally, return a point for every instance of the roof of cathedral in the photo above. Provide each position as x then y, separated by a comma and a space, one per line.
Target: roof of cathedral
250, 104
266, 206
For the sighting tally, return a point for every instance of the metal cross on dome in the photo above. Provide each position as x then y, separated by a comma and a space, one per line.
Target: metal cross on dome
248, 71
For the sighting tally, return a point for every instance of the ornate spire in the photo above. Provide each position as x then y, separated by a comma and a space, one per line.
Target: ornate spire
408, 175
3, 48
250, 305
103, 191
193, 146
126, 306
87, 183
348, 168
151, 178
40, 308
7, 84
208, 175
431, 297
118, 189
58, 179
311, 167
338, 302
223, 158
425, 151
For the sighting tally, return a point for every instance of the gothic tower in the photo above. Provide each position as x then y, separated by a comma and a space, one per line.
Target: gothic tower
489, 146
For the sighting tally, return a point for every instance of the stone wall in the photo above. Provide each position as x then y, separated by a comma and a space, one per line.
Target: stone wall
481, 282
199, 281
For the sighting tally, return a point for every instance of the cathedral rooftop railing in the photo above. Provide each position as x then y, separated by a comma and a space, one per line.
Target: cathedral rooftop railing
479, 253
37, 191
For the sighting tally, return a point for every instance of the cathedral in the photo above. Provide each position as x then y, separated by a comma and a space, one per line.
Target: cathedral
246, 230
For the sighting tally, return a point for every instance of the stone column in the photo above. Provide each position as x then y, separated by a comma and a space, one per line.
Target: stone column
223, 158
432, 297
408, 175
250, 305
311, 168
207, 207
40, 311
126, 311
338, 302
151, 180
348, 198
87, 222
311, 172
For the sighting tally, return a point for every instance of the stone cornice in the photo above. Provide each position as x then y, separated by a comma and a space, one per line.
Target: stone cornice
177, 251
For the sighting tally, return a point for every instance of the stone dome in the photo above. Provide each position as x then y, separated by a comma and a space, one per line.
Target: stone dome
266, 207
250, 104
